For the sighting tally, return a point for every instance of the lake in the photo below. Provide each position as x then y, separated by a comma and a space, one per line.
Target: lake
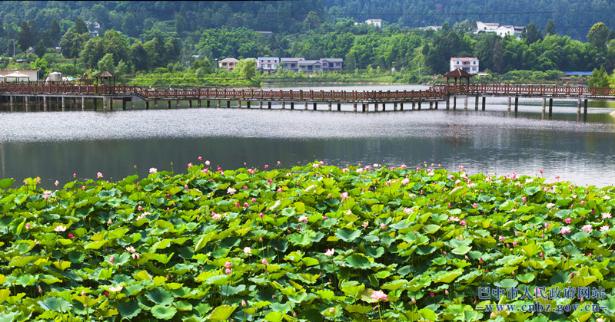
53, 145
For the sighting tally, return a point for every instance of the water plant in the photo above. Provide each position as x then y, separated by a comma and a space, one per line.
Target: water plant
306, 243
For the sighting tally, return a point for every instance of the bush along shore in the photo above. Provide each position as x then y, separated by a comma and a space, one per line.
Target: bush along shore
307, 243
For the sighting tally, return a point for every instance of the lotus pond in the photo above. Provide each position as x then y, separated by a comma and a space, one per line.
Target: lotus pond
308, 243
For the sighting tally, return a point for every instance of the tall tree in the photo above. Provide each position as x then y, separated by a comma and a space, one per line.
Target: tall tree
26, 37
550, 28
80, 26
72, 43
531, 34
598, 35
599, 78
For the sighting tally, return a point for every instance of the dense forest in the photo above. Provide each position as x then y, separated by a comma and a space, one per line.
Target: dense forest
157, 36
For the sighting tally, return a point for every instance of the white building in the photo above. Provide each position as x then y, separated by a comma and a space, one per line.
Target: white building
228, 63
468, 64
374, 22
21, 75
500, 30
267, 64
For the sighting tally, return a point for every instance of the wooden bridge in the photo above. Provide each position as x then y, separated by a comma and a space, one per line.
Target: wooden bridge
62, 96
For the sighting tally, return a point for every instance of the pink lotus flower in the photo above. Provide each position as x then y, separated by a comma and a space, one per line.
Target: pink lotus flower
568, 220
244, 303
46, 194
264, 261
330, 252
28, 226
303, 219
514, 243
99, 175
231, 191
604, 228
344, 195
405, 181
501, 238
546, 225
130, 249
207, 163
359, 170
200, 158
111, 259
60, 228
56, 183
462, 222
153, 170
524, 199
365, 224
215, 216
453, 218
116, 288
70, 236
189, 165
379, 296
247, 251
475, 205
606, 215
407, 211
587, 228
74, 174
383, 226
135, 255
316, 165
228, 264
261, 215
565, 231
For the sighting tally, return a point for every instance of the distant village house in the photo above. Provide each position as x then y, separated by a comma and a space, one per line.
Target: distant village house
468, 64
290, 63
374, 22
267, 64
500, 30
228, 63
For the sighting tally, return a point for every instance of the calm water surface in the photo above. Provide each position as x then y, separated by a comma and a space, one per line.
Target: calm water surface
53, 145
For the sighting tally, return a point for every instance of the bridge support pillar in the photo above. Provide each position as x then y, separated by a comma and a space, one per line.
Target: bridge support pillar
315, 107
413, 105
147, 105
430, 105
305, 106
292, 105
169, 104
198, 102
190, 103
476, 103
123, 104
544, 105
249, 104
454, 102
63, 104
82, 103
401, 106
218, 102
329, 106
228, 104
465, 106
339, 107
269, 105
448, 102
95, 103
11, 99
420, 102
363, 108
550, 106
260, 105
484, 101
436, 105
26, 102
585, 109
208, 103
509, 103
516, 104
239, 104
354, 106
394, 107
283, 105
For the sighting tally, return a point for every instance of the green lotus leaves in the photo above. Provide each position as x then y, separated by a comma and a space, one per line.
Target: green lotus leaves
306, 243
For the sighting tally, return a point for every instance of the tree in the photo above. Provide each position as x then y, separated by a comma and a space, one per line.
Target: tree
80, 26
246, 69
106, 64
550, 28
203, 65
40, 48
312, 20
138, 56
92, 52
598, 35
54, 33
599, 78
531, 34
72, 42
25, 38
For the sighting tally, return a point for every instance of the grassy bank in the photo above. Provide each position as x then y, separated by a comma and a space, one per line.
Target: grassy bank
314, 243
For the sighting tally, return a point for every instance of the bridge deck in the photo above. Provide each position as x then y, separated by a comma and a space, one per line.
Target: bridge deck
434, 93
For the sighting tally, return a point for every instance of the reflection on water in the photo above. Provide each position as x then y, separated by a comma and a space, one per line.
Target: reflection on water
54, 145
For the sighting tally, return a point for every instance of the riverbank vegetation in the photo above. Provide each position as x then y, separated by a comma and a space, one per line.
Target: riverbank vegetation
312, 242
143, 44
